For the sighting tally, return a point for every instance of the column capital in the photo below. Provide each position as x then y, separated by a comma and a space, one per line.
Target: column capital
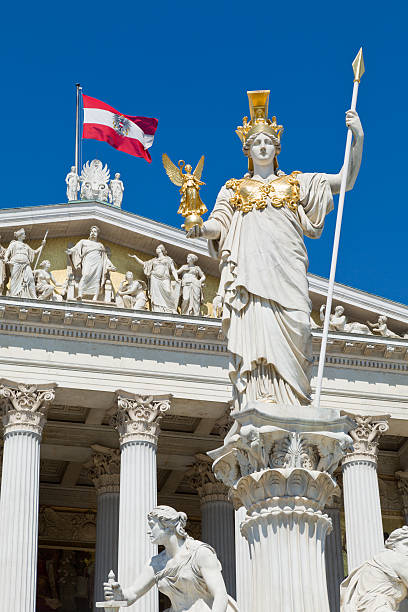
201, 477
137, 417
24, 406
366, 437
104, 469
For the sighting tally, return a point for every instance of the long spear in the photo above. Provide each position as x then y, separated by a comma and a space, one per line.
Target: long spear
358, 68
40, 251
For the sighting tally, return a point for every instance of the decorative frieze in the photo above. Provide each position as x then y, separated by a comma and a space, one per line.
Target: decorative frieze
104, 469
366, 437
402, 484
24, 406
60, 525
137, 417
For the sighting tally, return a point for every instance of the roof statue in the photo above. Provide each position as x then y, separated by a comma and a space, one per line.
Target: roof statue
94, 181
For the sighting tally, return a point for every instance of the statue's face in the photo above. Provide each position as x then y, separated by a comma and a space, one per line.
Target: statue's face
117, 175
262, 150
93, 233
157, 534
190, 259
160, 250
188, 168
129, 276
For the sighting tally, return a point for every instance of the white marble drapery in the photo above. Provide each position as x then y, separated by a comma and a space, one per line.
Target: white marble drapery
24, 417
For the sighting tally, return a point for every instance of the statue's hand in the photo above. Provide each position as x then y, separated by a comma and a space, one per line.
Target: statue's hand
195, 232
353, 122
113, 591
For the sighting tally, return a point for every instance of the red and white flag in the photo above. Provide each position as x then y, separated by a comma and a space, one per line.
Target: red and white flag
133, 135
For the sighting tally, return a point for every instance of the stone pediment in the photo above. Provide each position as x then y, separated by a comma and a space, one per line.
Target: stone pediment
123, 232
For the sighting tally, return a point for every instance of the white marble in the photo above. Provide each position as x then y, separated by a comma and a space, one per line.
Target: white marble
94, 181
380, 583
283, 478
137, 421
256, 230
339, 322
45, 284
116, 189
187, 571
334, 560
89, 256
20, 257
381, 328
72, 182
192, 280
364, 530
242, 565
131, 293
24, 416
164, 284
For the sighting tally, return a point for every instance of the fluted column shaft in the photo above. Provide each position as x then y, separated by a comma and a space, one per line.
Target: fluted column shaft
137, 421
217, 525
334, 560
24, 416
217, 516
104, 470
242, 565
362, 508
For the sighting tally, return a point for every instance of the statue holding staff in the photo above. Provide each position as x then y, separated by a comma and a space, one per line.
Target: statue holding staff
19, 256
187, 571
256, 230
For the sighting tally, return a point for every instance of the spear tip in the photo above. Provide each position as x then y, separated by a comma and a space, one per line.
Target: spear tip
358, 65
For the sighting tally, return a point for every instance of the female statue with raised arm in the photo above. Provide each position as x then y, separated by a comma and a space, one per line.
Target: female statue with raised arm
19, 256
256, 230
187, 571
164, 285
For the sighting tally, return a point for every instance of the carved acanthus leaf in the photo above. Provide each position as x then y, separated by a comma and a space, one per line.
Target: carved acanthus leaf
138, 416
24, 406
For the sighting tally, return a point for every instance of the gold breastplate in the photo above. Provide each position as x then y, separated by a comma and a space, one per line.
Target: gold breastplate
251, 193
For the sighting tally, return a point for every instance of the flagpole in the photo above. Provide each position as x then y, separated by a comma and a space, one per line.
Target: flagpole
358, 68
78, 87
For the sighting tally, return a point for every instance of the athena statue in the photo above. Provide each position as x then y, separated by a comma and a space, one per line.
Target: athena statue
256, 230
187, 571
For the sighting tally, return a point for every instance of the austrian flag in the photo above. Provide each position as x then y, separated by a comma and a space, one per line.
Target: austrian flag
133, 135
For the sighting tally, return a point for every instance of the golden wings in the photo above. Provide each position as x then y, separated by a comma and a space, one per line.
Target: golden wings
175, 173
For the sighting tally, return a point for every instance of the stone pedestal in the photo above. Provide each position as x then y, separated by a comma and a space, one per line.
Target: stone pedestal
242, 565
137, 421
104, 471
217, 517
334, 560
362, 509
279, 466
24, 410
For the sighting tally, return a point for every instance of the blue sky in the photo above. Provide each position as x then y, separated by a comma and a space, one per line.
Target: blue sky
189, 65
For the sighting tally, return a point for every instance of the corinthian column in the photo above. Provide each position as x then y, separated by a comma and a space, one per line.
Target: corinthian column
283, 478
137, 422
24, 409
242, 564
104, 471
362, 509
217, 516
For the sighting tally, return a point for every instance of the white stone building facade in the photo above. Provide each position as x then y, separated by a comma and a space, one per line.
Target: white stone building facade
108, 410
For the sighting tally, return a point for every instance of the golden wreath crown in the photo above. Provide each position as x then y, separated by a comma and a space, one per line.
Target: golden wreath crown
259, 122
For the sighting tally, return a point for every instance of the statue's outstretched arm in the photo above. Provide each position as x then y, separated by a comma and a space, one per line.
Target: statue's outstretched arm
353, 122
211, 571
142, 585
210, 229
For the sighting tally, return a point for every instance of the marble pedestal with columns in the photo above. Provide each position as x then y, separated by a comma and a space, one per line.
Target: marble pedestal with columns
104, 471
217, 516
137, 419
24, 409
362, 509
279, 465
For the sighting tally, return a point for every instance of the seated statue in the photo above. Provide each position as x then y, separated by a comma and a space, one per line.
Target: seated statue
379, 585
187, 571
131, 293
45, 283
338, 322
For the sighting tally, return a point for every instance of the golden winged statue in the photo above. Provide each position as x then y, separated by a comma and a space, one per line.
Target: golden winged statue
191, 205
